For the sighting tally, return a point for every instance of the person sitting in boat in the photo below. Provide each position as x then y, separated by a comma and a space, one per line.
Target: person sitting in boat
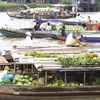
89, 19
61, 11
98, 25
74, 39
63, 32
37, 26
48, 27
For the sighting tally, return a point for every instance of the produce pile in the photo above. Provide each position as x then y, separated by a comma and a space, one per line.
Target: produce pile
18, 70
39, 54
26, 80
55, 80
75, 27
84, 59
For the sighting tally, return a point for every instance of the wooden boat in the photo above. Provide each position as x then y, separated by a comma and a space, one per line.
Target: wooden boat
30, 91
61, 38
21, 33
36, 90
88, 36
51, 15
20, 90
19, 16
58, 15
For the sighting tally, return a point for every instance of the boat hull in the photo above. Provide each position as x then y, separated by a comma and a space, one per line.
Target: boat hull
22, 33
16, 90
88, 36
44, 16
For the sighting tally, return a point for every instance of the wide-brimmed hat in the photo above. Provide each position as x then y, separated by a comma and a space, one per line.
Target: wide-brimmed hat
28, 33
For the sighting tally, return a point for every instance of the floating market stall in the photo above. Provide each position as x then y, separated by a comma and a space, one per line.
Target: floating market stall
53, 75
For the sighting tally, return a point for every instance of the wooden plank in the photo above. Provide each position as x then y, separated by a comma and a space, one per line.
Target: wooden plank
61, 52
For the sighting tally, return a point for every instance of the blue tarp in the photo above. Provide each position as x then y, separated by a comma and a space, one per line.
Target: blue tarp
91, 39
61, 21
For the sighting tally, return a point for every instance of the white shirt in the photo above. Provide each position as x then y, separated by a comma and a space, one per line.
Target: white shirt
28, 41
48, 27
69, 39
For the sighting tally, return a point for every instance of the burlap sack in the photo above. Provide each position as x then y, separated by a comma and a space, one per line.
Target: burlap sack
2, 60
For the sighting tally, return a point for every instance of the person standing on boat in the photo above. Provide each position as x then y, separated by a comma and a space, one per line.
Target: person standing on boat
73, 39
28, 40
38, 20
63, 32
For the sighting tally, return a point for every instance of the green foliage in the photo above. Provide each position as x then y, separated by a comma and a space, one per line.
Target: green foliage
79, 60
5, 4
25, 80
65, 2
40, 54
6, 81
36, 5
76, 27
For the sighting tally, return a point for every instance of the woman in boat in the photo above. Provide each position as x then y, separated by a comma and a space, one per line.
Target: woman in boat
74, 39
98, 25
37, 26
28, 40
63, 32
89, 19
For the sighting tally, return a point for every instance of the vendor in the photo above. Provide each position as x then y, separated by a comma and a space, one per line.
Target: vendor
89, 19
63, 32
98, 25
73, 38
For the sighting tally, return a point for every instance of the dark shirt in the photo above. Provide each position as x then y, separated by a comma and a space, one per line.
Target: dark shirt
36, 27
39, 20
63, 32
76, 35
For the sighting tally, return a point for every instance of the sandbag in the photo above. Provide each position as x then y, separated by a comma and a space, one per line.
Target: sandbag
2, 60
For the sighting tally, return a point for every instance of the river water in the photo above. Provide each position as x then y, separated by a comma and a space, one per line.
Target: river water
21, 23
26, 23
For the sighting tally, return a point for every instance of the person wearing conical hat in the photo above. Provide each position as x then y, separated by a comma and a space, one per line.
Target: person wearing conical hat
28, 40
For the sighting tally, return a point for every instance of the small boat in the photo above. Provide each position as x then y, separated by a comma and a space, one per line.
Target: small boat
22, 33
88, 36
58, 15
26, 92
19, 16
61, 38
52, 15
